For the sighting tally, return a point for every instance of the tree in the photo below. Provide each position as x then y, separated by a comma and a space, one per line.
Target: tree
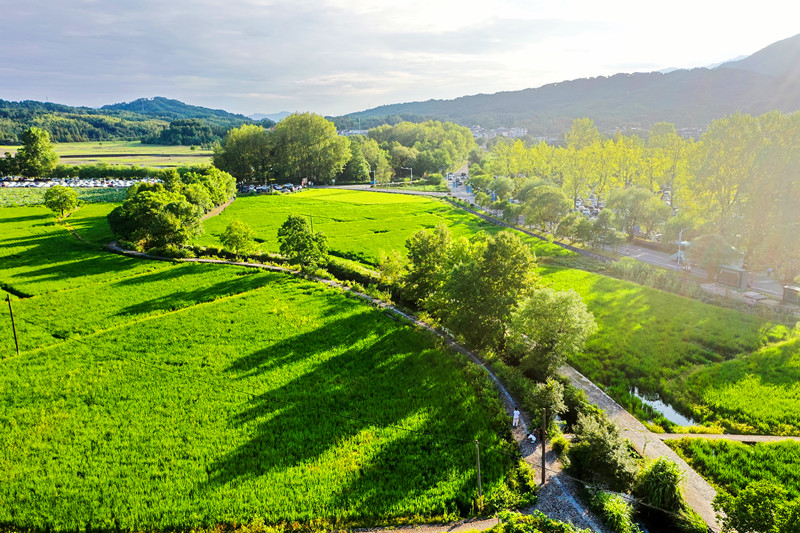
482, 290
244, 153
546, 207
547, 328
61, 199
630, 207
549, 395
599, 453
300, 244
156, 219
709, 252
36, 157
306, 146
238, 238
428, 256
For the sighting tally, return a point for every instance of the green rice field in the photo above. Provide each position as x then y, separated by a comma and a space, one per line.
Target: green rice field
152, 395
358, 224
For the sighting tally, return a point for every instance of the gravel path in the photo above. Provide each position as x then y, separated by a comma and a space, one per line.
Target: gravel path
697, 491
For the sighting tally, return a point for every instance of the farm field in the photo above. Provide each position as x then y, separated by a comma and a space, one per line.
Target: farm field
732, 466
649, 339
126, 153
358, 224
156, 396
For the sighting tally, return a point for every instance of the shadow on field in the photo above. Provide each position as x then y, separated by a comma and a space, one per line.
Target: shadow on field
336, 427
178, 298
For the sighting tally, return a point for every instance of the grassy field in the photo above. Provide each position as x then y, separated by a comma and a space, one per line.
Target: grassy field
126, 153
152, 395
757, 392
358, 224
734, 465
649, 339
703, 359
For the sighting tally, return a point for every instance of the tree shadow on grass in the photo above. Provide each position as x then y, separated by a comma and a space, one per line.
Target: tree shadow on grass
339, 422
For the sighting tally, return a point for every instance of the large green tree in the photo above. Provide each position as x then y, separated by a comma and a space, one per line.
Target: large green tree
37, 157
548, 327
156, 218
307, 146
481, 292
60, 199
300, 244
244, 153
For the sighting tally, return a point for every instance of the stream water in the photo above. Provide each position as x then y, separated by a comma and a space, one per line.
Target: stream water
665, 409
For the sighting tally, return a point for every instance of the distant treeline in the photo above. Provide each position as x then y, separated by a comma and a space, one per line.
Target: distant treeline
155, 121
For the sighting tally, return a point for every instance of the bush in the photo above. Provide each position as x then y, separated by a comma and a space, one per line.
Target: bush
600, 454
615, 511
659, 485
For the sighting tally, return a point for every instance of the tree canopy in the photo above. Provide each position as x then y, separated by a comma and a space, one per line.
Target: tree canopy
36, 157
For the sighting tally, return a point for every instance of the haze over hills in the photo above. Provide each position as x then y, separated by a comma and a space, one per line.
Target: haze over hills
767, 80
274, 117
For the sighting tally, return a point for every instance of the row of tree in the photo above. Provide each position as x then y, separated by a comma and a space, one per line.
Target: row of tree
737, 182
307, 147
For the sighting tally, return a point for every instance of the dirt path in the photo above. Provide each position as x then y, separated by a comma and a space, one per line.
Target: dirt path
698, 492
217, 210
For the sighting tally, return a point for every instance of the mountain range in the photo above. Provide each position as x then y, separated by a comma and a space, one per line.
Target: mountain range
764, 81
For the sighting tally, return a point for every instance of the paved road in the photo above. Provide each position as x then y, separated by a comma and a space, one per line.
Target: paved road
698, 492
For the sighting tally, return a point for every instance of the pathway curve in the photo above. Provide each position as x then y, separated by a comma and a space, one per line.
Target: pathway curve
698, 492
557, 497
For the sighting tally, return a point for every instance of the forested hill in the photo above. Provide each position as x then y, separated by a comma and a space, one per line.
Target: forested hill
165, 108
147, 119
767, 80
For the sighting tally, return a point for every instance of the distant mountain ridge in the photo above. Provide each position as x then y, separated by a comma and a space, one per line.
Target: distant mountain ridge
140, 119
765, 81
275, 117
169, 109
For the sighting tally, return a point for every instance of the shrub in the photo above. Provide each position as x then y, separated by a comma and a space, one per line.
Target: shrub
659, 485
600, 454
615, 512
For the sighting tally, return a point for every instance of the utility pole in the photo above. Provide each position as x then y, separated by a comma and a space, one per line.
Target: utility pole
544, 444
13, 326
478, 457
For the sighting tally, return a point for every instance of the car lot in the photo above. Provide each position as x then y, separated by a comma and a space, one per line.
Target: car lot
268, 189
23, 183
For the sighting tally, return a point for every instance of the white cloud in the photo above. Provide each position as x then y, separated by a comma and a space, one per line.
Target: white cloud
338, 56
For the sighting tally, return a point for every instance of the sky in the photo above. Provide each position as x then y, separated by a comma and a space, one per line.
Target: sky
334, 57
